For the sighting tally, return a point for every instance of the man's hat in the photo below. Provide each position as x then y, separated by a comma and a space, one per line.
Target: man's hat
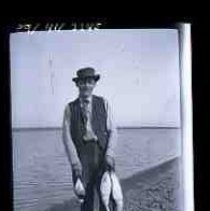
84, 73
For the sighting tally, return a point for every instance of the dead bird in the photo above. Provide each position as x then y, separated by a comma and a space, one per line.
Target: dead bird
79, 190
110, 186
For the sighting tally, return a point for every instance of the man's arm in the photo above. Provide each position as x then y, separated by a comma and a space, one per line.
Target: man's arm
69, 145
113, 136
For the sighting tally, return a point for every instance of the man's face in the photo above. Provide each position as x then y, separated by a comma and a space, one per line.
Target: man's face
86, 87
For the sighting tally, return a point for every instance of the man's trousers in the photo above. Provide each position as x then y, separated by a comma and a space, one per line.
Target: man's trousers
93, 166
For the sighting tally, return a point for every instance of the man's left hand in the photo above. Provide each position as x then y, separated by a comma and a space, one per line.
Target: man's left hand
110, 163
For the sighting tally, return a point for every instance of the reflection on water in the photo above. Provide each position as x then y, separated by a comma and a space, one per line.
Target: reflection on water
42, 174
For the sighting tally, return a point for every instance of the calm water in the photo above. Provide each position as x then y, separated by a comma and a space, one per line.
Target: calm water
42, 174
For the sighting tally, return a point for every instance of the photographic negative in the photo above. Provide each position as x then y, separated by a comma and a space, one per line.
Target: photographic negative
99, 119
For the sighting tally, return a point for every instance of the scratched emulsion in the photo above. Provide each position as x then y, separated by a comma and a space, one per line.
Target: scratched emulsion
42, 174
52, 74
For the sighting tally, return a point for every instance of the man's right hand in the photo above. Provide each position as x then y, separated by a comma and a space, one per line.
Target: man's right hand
76, 173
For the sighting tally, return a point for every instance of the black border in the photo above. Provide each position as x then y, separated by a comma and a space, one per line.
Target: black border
5, 140
199, 80
201, 124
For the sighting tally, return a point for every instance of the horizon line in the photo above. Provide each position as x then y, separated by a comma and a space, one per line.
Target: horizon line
119, 127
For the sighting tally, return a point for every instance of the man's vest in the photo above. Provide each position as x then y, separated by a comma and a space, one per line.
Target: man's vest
98, 121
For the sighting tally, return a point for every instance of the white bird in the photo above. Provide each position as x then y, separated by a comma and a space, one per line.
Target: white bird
79, 190
117, 192
106, 188
110, 185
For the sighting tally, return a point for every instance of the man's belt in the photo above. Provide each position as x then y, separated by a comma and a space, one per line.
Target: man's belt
90, 136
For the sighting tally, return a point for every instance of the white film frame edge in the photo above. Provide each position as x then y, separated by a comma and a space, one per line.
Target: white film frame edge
186, 115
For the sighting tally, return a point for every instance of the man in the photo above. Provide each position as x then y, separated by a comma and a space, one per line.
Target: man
89, 137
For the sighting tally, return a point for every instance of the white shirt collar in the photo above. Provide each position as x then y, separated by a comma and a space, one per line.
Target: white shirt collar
89, 99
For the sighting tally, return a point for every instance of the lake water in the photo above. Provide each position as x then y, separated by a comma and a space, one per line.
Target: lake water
42, 174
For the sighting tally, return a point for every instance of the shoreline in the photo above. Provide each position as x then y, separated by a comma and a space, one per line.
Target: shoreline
154, 189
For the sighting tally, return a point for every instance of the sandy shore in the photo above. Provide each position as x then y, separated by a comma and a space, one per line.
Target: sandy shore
157, 189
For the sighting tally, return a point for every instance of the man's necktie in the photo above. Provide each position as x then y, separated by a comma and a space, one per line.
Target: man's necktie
85, 111
89, 134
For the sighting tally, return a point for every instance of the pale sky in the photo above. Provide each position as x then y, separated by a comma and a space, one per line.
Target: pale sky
139, 75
